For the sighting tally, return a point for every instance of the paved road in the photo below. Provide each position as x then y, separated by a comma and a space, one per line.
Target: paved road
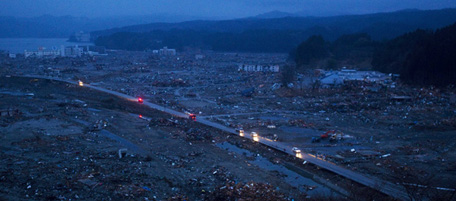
232, 114
388, 188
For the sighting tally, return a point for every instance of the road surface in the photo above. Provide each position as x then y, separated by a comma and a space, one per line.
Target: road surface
388, 188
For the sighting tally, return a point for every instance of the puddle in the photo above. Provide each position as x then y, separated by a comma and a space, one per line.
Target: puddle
93, 109
292, 178
16, 93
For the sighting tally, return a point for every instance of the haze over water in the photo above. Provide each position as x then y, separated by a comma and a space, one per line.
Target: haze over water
18, 45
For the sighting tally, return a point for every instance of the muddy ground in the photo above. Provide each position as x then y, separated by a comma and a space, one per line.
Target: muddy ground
51, 150
408, 141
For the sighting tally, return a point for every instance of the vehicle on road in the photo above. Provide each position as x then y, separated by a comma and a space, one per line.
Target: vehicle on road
140, 100
240, 131
296, 150
192, 117
255, 136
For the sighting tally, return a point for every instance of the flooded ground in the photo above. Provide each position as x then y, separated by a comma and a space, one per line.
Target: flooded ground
304, 184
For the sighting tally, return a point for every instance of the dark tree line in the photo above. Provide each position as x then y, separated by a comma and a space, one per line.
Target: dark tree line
264, 40
346, 47
392, 55
151, 40
421, 57
312, 49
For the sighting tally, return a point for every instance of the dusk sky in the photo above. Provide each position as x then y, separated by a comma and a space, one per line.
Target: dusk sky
208, 8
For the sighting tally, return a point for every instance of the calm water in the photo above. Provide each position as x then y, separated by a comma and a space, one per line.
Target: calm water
18, 45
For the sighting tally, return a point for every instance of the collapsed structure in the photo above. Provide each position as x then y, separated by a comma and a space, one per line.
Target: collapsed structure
335, 78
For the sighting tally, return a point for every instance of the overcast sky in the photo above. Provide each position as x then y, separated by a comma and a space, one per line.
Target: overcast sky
208, 8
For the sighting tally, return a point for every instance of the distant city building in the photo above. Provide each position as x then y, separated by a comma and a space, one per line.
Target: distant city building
69, 51
73, 51
94, 50
42, 52
165, 51
81, 37
258, 68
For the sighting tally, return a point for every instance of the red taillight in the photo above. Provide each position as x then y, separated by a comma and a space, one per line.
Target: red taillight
140, 116
140, 100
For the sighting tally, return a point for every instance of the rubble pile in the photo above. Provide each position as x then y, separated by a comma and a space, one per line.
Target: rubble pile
162, 122
194, 134
246, 191
381, 116
300, 123
174, 83
8, 116
71, 172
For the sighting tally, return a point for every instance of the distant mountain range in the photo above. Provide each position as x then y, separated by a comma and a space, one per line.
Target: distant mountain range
380, 25
275, 14
48, 26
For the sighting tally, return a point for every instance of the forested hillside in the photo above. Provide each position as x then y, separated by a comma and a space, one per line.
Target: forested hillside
269, 35
421, 57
